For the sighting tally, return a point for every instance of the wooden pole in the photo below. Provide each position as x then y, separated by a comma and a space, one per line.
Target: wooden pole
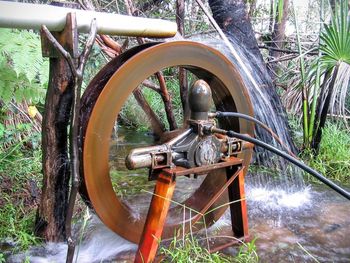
51, 216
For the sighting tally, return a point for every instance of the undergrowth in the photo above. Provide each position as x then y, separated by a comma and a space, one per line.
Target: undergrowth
20, 172
189, 249
126, 183
333, 159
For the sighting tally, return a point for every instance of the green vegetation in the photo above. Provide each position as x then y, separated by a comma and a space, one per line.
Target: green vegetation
23, 71
20, 173
333, 159
190, 250
125, 183
324, 81
133, 116
24, 75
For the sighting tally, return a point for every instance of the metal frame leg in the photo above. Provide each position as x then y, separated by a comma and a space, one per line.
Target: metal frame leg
239, 216
156, 217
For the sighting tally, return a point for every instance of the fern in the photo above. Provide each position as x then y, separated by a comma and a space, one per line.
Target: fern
23, 71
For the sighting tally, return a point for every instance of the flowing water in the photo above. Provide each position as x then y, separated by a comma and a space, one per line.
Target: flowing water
289, 226
313, 223
268, 110
266, 104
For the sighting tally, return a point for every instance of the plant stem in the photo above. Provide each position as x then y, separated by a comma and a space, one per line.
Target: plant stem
304, 90
317, 84
323, 116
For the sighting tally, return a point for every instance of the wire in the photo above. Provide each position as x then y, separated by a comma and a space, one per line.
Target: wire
293, 160
220, 114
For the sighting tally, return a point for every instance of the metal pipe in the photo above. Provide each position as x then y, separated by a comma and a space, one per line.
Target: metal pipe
33, 16
142, 157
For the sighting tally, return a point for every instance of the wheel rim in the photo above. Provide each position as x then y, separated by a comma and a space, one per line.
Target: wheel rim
229, 94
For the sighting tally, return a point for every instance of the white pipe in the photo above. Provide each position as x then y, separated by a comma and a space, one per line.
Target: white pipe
33, 16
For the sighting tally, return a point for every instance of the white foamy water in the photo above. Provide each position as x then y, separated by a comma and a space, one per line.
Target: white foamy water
99, 244
279, 199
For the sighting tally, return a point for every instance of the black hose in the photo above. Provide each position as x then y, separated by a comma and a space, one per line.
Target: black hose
220, 114
293, 160
241, 115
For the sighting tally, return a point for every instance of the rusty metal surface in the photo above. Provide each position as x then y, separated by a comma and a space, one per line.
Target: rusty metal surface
218, 194
181, 171
229, 94
236, 241
156, 218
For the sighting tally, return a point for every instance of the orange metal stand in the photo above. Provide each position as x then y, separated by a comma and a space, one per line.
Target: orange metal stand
163, 193
156, 216
238, 206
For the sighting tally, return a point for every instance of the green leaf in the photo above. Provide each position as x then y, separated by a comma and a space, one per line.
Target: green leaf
22, 66
2, 130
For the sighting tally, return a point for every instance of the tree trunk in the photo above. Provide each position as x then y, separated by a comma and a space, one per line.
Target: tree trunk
232, 17
147, 5
252, 8
271, 16
183, 83
316, 141
332, 4
51, 215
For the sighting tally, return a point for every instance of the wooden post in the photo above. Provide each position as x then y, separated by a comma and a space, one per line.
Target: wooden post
239, 216
51, 216
78, 72
152, 231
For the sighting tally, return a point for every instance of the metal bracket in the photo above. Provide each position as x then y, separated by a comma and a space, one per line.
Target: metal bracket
161, 160
234, 146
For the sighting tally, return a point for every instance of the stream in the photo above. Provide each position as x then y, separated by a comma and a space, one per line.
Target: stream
306, 225
310, 225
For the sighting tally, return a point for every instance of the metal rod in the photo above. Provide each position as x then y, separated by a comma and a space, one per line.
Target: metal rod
33, 16
217, 195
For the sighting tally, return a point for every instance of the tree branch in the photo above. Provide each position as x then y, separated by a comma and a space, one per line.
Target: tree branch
288, 51
74, 131
167, 101
183, 83
157, 125
58, 46
149, 84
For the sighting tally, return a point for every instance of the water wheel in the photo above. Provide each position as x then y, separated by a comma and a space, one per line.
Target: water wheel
102, 105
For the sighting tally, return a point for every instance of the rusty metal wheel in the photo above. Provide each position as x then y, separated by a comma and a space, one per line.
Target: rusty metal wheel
102, 103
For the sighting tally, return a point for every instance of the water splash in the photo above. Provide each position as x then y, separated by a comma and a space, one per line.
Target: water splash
99, 244
279, 199
289, 177
267, 109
